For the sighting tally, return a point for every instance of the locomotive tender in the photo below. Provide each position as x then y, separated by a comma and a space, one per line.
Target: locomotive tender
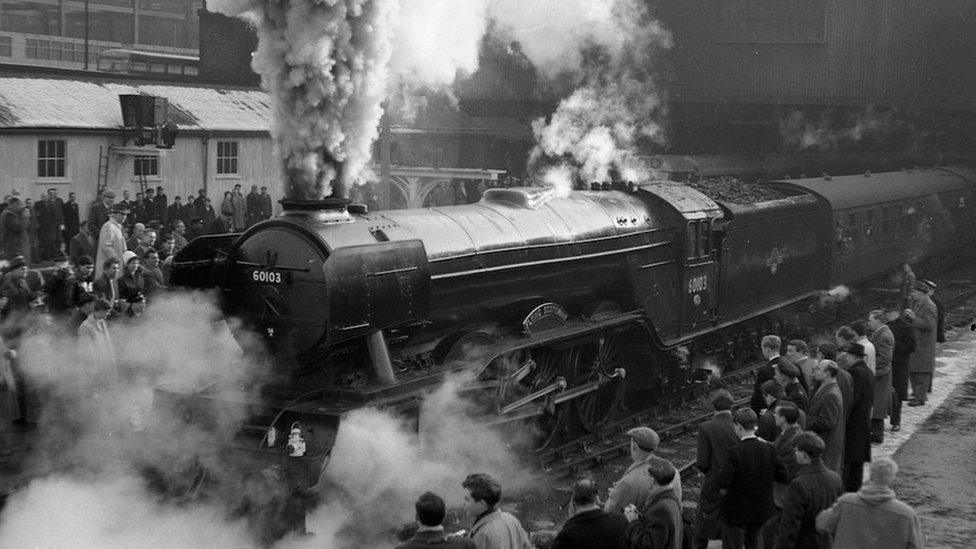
534, 295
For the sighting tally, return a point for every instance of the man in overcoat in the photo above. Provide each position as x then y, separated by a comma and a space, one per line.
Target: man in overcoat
924, 318
111, 240
825, 415
634, 487
884, 346
857, 431
715, 437
904, 347
814, 489
13, 228
590, 525
658, 524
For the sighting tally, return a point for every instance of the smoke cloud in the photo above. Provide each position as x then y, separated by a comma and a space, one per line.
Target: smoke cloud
618, 107
91, 455
329, 64
326, 65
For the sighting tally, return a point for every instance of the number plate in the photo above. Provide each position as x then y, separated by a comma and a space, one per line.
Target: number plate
268, 276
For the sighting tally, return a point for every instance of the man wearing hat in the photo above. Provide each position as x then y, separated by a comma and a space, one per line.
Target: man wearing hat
930, 288
111, 239
13, 228
634, 487
857, 431
814, 489
99, 212
788, 375
925, 321
589, 525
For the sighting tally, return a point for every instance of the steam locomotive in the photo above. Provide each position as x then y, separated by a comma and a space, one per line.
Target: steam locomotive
534, 297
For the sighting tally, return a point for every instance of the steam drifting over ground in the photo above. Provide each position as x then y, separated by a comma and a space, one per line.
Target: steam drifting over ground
88, 491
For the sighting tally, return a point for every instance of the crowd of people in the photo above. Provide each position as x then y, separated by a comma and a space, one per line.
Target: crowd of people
41, 231
784, 472
97, 271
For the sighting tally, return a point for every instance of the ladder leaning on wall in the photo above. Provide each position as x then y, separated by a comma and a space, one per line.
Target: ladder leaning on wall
102, 169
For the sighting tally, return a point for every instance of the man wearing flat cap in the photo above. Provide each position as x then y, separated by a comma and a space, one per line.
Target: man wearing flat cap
924, 317
111, 239
814, 489
857, 430
635, 486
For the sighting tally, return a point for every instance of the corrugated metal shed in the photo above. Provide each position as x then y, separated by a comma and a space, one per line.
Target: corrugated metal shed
34, 102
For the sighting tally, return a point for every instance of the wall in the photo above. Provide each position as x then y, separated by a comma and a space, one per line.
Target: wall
181, 168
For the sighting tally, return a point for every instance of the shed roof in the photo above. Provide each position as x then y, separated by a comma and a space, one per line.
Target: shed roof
852, 191
49, 102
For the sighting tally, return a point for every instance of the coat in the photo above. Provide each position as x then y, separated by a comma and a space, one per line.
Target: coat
787, 458
806, 373
659, 526
81, 244
857, 432
796, 394
239, 209
266, 206
925, 324
763, 374
13, 232
97, 216
884, 345
825, 417
111, 244
814, 489
69, 211
636, 486
748, 477
430, 539
50, 217
594, 528
715, 437
871, 518
497, 529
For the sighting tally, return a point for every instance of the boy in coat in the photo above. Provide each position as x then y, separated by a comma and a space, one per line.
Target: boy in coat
814, 489
430, 533
747, 481
658, 525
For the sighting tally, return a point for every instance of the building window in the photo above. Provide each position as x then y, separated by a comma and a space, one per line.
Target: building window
227, 157
51, 156
146, 166
6, 46
772, 21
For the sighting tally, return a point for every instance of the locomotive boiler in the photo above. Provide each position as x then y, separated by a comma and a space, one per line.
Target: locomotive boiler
536, 298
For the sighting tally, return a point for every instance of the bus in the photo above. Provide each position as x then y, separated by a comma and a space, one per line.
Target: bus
165, 66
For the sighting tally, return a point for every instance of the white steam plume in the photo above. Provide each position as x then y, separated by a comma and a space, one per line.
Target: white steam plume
89, 447
618, 106
325, 63
380, 466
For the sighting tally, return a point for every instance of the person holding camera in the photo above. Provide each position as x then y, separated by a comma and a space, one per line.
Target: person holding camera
658, 525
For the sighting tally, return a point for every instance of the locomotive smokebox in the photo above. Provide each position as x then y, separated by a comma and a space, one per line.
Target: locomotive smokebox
326, 210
